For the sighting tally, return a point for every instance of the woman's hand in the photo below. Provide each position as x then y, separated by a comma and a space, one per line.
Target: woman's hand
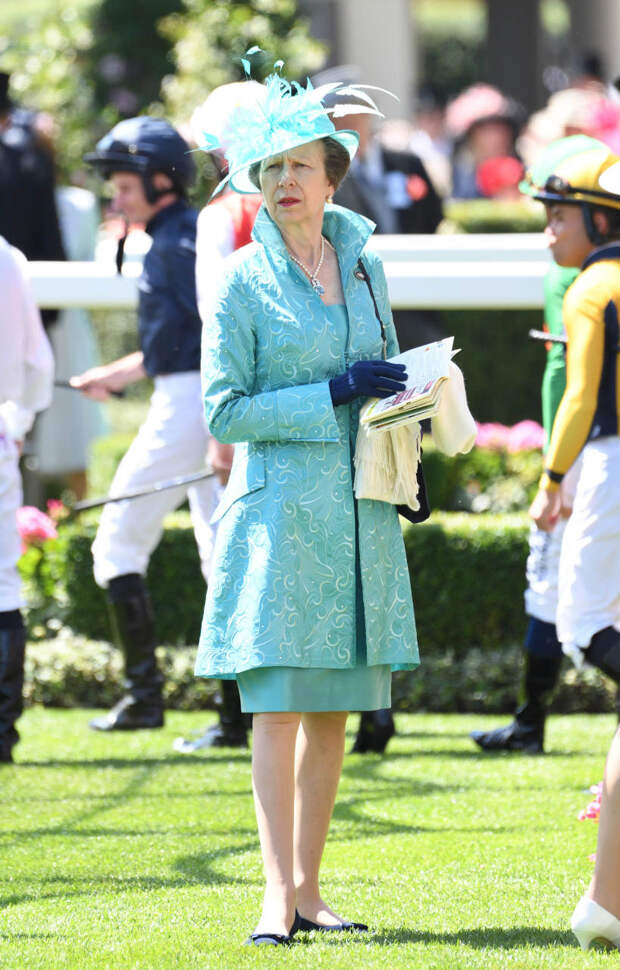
368, 378
220, 458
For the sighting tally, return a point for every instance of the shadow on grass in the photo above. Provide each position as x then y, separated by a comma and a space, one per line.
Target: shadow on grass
482, 938
473, 754
193, 870
129, 762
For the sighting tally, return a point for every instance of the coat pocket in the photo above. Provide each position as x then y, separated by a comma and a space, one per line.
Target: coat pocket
247, 475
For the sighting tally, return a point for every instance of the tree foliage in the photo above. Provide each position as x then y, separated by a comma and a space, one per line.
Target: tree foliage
129, 55
47, 61
210, 36
89, 64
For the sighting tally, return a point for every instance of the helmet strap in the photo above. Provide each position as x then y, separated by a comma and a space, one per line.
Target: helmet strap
152, 194
120, 250
594, 235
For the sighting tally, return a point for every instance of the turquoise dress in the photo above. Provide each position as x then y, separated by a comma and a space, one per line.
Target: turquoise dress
294, 547
358, 688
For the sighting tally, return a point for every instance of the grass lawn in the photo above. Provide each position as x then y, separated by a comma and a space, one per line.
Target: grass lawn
117, 853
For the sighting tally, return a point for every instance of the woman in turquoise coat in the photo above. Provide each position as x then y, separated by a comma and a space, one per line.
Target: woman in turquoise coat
309, 606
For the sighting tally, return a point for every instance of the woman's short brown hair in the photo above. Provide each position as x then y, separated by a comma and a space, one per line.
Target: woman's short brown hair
335, 159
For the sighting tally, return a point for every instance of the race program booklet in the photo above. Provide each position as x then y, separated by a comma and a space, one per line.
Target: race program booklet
427, 371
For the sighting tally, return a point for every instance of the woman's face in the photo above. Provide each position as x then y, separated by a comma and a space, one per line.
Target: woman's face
295, 186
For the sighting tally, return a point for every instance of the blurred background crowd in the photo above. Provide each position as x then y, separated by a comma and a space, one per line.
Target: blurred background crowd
483, 86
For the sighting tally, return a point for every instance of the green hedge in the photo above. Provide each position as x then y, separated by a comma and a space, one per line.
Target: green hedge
507, 481
502, 367
60, 585
493, 215
71, 671
467, 577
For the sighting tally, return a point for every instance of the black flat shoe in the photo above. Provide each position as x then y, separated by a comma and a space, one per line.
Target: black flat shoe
274, 939
345, 926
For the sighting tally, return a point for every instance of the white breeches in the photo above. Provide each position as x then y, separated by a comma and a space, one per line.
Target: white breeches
589, 577
543, 561
171, 442
10, 544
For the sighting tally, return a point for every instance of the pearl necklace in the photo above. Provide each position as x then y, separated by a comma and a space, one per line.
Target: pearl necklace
313, 275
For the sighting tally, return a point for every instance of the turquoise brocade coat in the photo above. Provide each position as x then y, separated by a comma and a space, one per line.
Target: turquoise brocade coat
283, 585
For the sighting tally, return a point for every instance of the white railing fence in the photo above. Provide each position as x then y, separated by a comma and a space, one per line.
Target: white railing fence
493, 271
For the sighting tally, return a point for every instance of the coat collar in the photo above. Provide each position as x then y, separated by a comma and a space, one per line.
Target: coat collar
347, 231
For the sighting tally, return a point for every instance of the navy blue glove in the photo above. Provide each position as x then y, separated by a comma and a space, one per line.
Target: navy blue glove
368, 378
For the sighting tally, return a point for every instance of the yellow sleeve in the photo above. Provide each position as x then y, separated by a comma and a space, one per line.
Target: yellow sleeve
584, 320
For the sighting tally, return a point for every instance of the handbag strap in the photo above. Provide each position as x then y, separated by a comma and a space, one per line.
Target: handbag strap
362, 273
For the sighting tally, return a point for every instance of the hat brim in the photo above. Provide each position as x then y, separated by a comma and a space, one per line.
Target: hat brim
239, 180
579, 198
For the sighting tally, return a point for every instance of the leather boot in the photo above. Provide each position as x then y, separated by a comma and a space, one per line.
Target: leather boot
527, 731
604, 652
134, 633
232, 730
12, 652
375, 730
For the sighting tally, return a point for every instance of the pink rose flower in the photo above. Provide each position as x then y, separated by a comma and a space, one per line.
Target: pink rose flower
56, 509
593, 809
525, 436
34, 526
492, 435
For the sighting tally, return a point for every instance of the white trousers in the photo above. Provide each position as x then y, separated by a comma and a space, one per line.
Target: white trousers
10, 544
171, 442
589, 575
543, 561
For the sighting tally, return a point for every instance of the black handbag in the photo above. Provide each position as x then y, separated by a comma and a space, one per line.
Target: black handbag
421, 514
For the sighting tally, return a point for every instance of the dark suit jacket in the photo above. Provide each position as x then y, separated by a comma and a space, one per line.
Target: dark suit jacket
28, 216
422, 211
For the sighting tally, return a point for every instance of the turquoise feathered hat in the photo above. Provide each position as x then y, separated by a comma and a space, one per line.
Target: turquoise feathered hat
248, 122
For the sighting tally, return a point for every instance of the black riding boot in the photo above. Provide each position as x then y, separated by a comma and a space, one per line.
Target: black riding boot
12, 651
604, 652
132, 623
231, 732
375, 730
527, 731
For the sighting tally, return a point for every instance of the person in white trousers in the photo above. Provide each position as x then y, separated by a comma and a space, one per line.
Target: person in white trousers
151, 168
26, 373
582, 201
